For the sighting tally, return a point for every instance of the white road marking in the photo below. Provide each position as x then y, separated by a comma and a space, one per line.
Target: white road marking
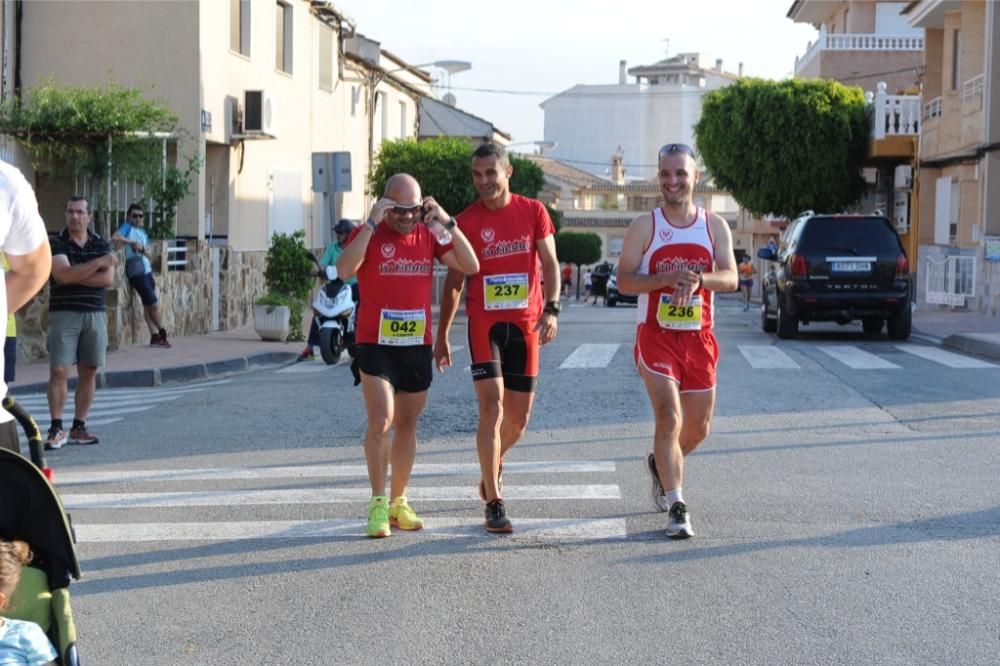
136, 393
306, 367
767, 357
82, 501
543, 528
100, 422
944, 358
858, 359
71, 477
590, 356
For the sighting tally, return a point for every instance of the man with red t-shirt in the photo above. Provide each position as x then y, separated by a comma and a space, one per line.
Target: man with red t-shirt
509, 316
675, 258
393, 256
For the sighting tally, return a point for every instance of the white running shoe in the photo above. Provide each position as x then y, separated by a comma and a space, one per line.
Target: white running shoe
679, 526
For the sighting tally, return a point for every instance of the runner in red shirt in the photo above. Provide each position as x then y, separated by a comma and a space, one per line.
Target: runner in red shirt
675, 258
393, 256
509, 315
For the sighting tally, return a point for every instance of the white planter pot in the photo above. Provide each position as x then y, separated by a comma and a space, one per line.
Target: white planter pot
271, 321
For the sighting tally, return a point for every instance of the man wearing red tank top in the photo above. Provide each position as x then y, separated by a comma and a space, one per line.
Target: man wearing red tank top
675, 258
511, 236
393, 255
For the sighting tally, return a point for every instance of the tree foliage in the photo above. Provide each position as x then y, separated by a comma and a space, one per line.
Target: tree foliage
785, 146
578, 247
441, 166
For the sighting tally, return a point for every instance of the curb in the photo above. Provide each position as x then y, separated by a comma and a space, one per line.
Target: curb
974, 344
173, 375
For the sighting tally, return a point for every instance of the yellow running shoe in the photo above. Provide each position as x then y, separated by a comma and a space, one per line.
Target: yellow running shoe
378, 517
403, 516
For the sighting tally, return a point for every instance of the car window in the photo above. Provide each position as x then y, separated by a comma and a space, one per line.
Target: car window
861, 235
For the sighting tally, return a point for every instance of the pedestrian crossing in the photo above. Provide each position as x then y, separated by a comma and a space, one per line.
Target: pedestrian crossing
113, 405
103, 502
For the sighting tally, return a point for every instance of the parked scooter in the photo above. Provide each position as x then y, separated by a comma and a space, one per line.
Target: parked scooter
336, 315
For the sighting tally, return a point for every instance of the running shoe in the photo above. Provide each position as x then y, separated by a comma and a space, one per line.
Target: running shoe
496, 518
659, 497
403, 516
55, 440
679, 526
378, 517
82, 436
482, 484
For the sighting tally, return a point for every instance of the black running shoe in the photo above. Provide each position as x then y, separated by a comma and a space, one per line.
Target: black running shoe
496, 518
679, 526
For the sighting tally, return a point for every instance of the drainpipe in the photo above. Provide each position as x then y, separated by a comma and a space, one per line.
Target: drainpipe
18, 20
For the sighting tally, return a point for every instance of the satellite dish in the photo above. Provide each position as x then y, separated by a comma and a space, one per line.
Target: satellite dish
448, 99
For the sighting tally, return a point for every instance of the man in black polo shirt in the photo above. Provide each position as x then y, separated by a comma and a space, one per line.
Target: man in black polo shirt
83, 267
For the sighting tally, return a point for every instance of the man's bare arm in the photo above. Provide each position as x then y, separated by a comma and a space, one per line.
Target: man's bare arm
725, 276
27, 275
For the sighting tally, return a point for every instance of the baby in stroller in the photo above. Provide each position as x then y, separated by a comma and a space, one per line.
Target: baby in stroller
21, 642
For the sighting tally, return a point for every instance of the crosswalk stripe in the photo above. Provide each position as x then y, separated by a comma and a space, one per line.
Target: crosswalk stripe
304, 368
944, 358
70, 477
767, 357
590, 356
100, 422
547, 528
80, 501
135, 393
107, 400
858, 359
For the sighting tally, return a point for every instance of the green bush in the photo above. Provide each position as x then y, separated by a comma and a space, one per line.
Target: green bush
289, 278
785, 146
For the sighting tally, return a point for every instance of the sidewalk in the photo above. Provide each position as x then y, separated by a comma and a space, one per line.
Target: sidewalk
191, 358
966, 331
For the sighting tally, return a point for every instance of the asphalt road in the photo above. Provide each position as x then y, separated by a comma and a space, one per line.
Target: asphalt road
846, 505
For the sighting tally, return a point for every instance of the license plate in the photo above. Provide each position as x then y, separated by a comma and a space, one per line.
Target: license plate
851, 266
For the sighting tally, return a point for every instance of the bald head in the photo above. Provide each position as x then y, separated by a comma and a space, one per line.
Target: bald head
403, 189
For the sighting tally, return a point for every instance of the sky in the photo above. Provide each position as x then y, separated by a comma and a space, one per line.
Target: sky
547, 46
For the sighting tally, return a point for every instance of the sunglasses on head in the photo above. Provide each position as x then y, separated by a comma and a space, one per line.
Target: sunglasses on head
671, 148
403, 210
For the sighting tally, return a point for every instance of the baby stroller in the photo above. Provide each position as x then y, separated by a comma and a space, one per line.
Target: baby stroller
31, 511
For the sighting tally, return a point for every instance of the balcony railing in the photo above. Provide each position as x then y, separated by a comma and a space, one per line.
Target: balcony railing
894, 115
859, 42
972, 94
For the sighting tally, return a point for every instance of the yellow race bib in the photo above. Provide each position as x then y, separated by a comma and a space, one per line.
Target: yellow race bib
402, 328
679, 318
505, 292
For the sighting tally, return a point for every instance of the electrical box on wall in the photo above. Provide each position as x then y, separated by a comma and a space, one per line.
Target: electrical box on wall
331, 172
903, 177
901, 211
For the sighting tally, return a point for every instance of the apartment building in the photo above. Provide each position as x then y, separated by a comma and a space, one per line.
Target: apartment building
959, 166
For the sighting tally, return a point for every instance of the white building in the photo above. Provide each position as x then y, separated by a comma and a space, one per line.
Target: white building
589, 123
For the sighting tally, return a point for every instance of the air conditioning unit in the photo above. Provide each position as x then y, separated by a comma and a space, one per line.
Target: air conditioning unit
904, 177
258, 112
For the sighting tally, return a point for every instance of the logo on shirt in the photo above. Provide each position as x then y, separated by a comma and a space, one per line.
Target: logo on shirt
487, 235
666, 235
506, 248
406, 267
388, 250
682, 264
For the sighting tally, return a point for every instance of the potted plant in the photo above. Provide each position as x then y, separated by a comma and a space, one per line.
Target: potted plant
289, 278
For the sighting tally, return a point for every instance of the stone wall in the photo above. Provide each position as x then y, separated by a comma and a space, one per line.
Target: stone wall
185, 300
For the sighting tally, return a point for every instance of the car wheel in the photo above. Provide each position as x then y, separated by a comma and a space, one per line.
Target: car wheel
872, 325
900, 324
769, 325
787, 325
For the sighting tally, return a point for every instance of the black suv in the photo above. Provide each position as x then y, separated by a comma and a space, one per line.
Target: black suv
837, 268
614, 296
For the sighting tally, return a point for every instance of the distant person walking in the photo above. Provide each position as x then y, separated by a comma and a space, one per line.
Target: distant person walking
83, 267
567, 277
133, 237
588, 284
27, 261
747, 272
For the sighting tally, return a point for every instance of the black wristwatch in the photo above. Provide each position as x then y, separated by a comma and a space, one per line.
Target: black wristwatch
553, 308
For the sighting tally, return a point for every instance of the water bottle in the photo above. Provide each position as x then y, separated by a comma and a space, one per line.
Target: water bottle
442, 235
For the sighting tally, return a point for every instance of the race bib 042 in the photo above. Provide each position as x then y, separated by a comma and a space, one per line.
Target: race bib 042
402, 328
679, 318
505, 292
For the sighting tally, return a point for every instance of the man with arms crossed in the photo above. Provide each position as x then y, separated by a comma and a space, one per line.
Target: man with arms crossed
507, 319
83, 268
393, 254
675, 258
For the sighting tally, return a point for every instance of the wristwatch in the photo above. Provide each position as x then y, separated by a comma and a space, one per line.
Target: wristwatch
553, 308
450, 224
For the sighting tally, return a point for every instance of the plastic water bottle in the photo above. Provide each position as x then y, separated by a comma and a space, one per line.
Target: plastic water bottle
442, 235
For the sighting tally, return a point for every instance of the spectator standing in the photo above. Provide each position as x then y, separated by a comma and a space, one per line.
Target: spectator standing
83, 267
139, 272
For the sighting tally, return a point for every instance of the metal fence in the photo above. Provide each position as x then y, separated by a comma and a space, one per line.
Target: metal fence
950, 280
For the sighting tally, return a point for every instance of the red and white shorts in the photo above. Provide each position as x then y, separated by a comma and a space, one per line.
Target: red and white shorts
686, 357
